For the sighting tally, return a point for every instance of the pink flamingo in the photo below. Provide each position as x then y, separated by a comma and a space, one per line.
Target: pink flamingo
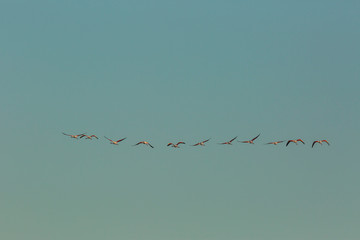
144, 142
74, 136
275, 143
89, 137
229, 142
250, 141
294, 141
175, 145
201, 143
115, 142
320, 141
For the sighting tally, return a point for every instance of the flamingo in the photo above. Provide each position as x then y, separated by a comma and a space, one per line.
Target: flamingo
320, 141
175, 145
144, 142
74, 136
275, 143
294, 141
115, 142
250, 141
229, 142
89, 137
201, 143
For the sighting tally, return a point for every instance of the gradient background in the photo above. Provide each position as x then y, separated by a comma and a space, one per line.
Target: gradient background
165, 71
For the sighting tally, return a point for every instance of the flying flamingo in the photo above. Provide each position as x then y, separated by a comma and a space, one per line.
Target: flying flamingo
320, 141
175, 145
250, 141
74, 136
115, 142
294, 141
229, 142
275, 143
144, 142
89, 137
201, 143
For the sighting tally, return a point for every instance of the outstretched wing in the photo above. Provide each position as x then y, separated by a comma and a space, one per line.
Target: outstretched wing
325, 141
233, 139
180, 143
108, 139
66, 134
150, 145
121, 140
255, 137
206, 140
300, 140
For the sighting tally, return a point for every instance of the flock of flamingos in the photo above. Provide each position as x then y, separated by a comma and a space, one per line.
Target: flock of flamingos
202, 143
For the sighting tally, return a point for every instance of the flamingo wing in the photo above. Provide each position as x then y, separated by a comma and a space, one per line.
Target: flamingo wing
108, 139
233, 139
300, 140
121, 140
255, 137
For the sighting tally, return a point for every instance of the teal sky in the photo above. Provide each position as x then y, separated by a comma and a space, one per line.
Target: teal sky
166, 71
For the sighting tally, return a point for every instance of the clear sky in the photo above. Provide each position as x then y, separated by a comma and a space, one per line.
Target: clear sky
166, 71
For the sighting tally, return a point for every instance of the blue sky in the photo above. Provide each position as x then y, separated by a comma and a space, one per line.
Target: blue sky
166, 71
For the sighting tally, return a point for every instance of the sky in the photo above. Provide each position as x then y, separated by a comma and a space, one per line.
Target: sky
168, 71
